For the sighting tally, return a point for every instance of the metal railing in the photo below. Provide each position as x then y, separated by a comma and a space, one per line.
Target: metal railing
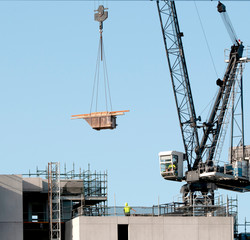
198, 209
196, 205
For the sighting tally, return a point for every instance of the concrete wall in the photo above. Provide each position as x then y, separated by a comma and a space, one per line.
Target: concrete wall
32, 184
151, 228
35, 184
73, 231
11, 207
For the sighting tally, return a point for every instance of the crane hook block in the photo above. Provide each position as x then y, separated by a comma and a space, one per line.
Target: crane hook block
101, 14
100, 120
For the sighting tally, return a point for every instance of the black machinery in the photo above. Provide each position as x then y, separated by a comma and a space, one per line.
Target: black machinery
201, 157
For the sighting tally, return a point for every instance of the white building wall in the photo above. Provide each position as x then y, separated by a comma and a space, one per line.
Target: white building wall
151, 228
76, 229
11, 207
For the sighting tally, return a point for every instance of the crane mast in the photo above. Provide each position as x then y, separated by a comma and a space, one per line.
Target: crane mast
214, 124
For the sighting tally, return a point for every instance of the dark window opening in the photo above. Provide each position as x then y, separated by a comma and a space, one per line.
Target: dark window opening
122, 231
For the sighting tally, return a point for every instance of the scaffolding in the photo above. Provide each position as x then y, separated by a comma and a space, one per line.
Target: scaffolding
82, 192
232, 210
65, 174
95, 189
54, 196
244, 235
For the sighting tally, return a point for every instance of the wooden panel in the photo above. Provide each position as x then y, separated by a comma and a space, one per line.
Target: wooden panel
113, 113
103, 122
100, 120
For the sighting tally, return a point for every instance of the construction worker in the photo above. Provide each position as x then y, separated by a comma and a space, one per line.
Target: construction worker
171, 167
127, 209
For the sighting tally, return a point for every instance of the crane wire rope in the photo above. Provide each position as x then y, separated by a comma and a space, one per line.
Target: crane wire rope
100, 2
98, 78
95, 78
211, 57
101, 58
204, 34
106, 83
95, 92
209, 104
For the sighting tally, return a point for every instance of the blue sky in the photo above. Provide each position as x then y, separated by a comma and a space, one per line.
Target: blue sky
48, 56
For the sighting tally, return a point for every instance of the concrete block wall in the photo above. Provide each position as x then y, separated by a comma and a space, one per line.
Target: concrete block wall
151, 228
11, 207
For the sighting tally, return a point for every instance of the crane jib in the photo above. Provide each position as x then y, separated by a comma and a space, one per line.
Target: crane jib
179, 77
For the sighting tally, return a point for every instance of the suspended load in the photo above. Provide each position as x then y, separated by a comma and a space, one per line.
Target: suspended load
105, 119
101, 120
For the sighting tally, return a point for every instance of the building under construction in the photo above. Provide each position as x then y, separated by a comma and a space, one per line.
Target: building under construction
48, 205
37, 205
53, 205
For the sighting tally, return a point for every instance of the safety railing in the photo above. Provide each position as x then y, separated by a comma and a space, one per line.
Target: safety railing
245, 56
200, 207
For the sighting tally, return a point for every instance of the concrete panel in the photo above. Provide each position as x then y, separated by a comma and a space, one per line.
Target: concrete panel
68, 230
147, 228
98, 228
141, 231
215, 228
154, 228
184, 228
32, 184
11, 199
75, 229
11, 231
11, 207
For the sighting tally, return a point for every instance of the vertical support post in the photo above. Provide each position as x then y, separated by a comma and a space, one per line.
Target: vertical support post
237, 125
106, 191
158, 205
242, 121
114, 205
232, 125
54, 200
245, 226
227, 207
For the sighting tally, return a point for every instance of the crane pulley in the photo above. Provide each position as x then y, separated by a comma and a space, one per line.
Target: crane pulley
101, 16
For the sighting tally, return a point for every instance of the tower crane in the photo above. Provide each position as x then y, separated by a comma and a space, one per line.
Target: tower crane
204, 174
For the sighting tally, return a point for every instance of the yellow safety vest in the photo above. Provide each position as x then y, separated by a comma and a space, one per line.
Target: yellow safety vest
171, 166
127, 209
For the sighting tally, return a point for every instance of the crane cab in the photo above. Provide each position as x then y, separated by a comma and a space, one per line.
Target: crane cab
171, 165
